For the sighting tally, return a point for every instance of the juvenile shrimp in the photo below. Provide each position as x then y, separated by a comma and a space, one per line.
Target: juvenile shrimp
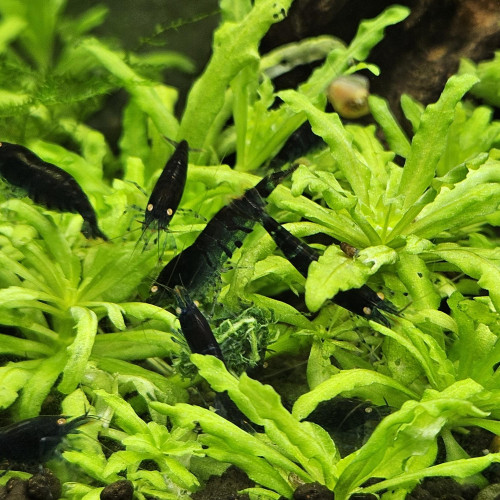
168, 190
36, 439
47, 184
362, 301
197, 266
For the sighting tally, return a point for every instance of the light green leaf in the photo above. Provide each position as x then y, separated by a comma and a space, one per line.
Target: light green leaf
235, 47
146, 93
415, 275
286, 57
412, 110
57, 245
393, 132
468, 202
330, 128
457, 468
10, 27
79, 351
135, 345
369, 33
405, 441
305, 442
484, 270
335, 271
13, 377
23, 347
123, 411
431, 356
346, 380
229, 443
430, 140
489, 74
92, 464
45, 375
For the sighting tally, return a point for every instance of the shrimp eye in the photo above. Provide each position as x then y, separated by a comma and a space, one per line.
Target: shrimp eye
169, 211
61, 421
150, 207
367, 311
154, 289
380, 295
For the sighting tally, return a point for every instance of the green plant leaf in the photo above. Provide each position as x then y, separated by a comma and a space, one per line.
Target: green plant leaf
329, 127
335, 271
305, 442
234, 48
467, 203
28, 348
123, 411
430, 139
457, 468
79, 351
226, 442
486, 272
145, 92
393, 132
489, 74
135, 345
424, 348
369, 33
14, 377
43, 376
405, 441
415, 275
347, 380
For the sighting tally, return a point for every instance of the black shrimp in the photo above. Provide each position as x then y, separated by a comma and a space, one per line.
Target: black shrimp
362, 301
167, 193
196, 267
47, 184
36, 439
194, 325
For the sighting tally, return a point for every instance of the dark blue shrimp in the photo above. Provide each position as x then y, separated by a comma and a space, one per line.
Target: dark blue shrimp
362, 301
167, 193
36, 439
47, 184
197, 266
194, 325
201, 340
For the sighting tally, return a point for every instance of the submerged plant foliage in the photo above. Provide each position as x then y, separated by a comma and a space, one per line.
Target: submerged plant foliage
78, 336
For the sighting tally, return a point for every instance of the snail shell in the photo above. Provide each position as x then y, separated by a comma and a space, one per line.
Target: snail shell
348, 95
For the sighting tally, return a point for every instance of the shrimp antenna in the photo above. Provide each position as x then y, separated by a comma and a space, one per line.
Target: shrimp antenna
176, 144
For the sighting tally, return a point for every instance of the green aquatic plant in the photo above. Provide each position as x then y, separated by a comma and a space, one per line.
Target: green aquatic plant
75, 324
50, 85
489, 74
401, 450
